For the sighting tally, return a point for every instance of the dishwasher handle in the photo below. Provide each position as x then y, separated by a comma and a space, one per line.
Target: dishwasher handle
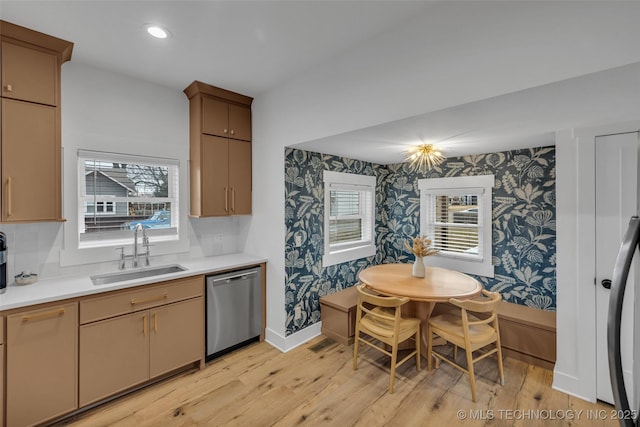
239, 276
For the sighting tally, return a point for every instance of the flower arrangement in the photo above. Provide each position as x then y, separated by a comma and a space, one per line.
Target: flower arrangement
421, 247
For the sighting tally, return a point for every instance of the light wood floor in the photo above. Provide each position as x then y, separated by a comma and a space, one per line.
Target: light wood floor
260, 386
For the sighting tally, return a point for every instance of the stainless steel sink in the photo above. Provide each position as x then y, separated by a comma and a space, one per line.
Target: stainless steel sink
121, 276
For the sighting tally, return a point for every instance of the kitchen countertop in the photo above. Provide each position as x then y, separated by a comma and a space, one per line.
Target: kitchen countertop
60, 288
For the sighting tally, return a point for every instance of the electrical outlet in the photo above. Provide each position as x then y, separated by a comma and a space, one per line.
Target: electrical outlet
218, 238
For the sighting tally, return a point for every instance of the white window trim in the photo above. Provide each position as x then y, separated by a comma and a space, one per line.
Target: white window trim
481, 184
71, 254
359, 183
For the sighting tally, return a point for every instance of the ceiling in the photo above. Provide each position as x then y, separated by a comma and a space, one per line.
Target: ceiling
244, 46
254, 47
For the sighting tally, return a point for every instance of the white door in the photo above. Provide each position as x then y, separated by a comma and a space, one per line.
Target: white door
616, 203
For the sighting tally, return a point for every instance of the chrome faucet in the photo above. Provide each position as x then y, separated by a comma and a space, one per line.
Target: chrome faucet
134, 257
145, 244
135, 243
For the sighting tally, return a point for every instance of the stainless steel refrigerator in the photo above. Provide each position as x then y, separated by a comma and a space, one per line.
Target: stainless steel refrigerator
630, 244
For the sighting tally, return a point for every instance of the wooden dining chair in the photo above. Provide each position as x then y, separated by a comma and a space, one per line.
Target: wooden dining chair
378, 317
469, 332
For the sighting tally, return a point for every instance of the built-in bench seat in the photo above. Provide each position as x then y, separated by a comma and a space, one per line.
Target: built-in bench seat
526, 333
338, 315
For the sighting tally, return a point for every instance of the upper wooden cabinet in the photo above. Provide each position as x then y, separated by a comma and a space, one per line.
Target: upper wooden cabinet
30, 141
29, 74
220, 118
220, 151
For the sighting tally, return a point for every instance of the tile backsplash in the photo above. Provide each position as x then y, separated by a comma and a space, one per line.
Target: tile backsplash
35, 247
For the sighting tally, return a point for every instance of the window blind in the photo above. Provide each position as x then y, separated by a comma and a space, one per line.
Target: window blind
455, 224
349, 217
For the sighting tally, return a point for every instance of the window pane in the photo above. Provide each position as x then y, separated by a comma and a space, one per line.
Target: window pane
345, 230
118, 195
345, 203
346, 222
450, 211
456, 239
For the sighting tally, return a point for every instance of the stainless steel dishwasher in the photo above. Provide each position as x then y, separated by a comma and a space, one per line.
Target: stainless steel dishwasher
234, 310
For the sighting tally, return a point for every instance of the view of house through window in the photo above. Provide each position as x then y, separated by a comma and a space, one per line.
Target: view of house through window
118, 192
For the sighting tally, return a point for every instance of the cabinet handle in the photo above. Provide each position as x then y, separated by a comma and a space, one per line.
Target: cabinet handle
152, 299
233, 200
226, 199
9, 196
46, 314
155, 322
9, 88
144, 325
224, 130
233, 132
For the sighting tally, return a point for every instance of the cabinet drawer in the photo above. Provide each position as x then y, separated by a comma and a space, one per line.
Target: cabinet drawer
129, 301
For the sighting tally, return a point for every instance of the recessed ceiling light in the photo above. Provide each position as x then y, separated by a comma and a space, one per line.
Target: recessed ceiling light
157, 32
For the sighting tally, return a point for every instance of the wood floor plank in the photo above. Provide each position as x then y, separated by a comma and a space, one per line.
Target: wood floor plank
260, 386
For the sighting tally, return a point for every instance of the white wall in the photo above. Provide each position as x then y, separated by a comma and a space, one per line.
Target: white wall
111, 112
391, 77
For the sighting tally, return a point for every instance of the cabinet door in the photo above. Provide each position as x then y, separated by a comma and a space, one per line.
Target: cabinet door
30, 162
28, 74
42, 364
215, 117
1, 384
240, 177
215, 176
239, 122
114, 355
177, 335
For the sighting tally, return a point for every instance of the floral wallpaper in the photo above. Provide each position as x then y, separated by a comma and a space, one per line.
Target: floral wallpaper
523, 223
306, 279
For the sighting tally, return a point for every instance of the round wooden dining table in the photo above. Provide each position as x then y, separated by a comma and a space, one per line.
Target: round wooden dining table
437, 285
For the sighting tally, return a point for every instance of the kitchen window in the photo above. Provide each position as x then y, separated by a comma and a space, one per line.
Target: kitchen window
118, 191
456, 216
349, 219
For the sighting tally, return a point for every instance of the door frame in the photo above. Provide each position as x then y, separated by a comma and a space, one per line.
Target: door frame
575, 369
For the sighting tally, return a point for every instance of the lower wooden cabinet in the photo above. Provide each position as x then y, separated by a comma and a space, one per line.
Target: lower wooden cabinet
1, 371
176, 335
119, 353
61, 357
1, 384
114, 355
42, 364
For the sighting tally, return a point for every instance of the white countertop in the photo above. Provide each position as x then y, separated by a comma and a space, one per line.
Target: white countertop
60, 288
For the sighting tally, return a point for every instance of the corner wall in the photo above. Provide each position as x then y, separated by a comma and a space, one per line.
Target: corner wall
523, 223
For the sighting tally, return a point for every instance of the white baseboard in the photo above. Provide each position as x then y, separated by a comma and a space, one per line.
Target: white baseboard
570, 385
284, 344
